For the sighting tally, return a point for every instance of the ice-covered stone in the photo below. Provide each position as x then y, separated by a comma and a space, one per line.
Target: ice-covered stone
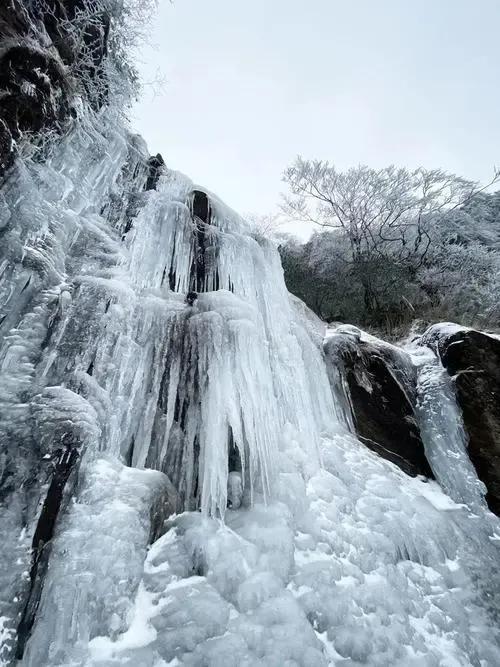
472, 360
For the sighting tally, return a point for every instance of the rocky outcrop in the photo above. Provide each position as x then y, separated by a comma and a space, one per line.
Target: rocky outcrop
473, 360
49, 50
155, 165
379, 381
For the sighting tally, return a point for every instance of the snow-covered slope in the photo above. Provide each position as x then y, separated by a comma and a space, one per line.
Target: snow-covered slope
149, 341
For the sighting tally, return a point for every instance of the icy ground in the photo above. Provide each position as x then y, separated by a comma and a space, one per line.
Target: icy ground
308, 549
358, 565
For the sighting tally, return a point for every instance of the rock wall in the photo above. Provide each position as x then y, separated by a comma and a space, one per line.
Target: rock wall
49, 51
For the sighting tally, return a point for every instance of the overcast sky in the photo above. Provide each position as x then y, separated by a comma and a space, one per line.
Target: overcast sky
252, 83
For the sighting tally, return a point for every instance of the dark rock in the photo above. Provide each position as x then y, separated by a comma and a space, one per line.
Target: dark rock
166, 504
155, 164
473, 359
14, 19
204, 251
35, 89
191, 298
380, 382
64, 463
6, 147
201, 206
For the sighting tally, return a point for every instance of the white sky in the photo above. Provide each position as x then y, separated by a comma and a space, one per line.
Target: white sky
252, 83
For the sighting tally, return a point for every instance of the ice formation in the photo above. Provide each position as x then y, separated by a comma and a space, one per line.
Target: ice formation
173, 450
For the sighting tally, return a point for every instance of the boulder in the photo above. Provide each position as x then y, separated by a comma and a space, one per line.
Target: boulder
380, 383
473, 360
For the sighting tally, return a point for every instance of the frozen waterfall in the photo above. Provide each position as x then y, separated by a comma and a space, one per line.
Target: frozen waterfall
181, 484
443, 432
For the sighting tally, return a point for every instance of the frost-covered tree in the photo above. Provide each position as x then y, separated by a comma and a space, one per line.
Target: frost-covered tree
97, 40
266, 224
461, 274
384, 221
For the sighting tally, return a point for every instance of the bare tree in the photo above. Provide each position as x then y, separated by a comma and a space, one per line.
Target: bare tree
266, 224
384, 214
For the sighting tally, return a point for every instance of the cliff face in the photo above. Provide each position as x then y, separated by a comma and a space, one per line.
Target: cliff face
49, 51
53, 80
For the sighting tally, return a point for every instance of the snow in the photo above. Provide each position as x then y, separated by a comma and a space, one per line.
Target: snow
96, 561
294, 544
370, 569
7, 635
444, 330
